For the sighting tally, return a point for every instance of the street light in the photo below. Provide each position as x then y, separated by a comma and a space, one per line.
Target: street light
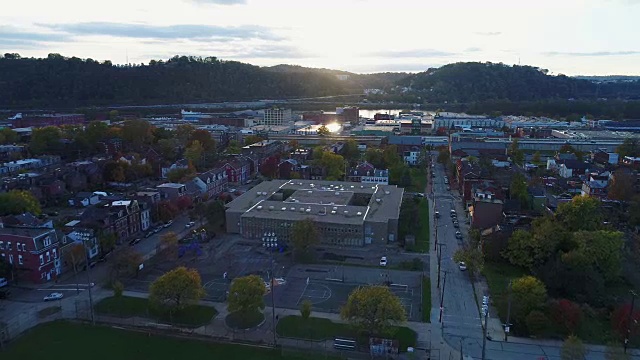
270, 242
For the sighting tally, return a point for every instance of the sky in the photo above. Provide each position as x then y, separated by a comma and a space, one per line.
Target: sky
572, 37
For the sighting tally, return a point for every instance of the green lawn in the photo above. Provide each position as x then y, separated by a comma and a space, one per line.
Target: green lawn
323, 329
426, 299
126, 306
421, 228
79, 342
418, 180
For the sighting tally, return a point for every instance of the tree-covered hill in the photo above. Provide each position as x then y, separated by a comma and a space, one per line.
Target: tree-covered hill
477, 82
57, 81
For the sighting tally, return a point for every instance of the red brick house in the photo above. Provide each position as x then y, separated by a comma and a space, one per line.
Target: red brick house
238, 171
34, 253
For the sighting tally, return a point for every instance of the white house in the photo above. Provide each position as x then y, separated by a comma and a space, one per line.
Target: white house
86, 236
84, 199
145, 218
411, 157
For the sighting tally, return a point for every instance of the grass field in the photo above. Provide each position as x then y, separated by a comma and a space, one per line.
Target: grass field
324, 329
79, 342
426, 299
126, 306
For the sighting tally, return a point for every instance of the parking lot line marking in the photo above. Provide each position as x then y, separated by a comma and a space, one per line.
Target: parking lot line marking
56, 289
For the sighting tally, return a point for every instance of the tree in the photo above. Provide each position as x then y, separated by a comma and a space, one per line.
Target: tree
406, 179
536, 157
615, 351
304, 235
350, 150
233, 147
630, 147
184, 202
520, 249
251, 139
305, 310
581, 213
76, 256
137, 133
46, 140
600, 249
124, 263
194, 152
183, 133
333, 164
537, 323
622, 186
517, 155
115, 171
246, 295
623, 324
178, 175
205, 139
472, 257
528, 294
567, 314
323, 130
167, 148
168, 246
118, 289
375, 157
17, 202
443, 156
8, 136
573, 349
167, 211
106, 241
373, 309
176, 289
518, 189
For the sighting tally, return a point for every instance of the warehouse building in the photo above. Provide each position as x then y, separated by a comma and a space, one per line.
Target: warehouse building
345, 213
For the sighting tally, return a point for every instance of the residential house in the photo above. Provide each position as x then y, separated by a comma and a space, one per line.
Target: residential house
571, 168
149, 197
87, 238
486, 215
33, 252
538, 197
128, 217
596, 185
84, 199
604, 157
631, 161
287, 168
145, 216
238, 171
468, 174
25, 220
211, 183
411, 157
172, 191
180, 164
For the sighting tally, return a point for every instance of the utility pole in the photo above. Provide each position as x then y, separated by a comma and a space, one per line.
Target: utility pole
444, 284
629, 320
485, 313
507, 325
435, 247
439, 261
270, 242
89, 283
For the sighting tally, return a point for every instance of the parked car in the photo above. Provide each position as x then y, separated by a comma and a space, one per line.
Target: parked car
3, 282
53, 296
168, 223
134, 241
148, 233
458, 235
437, 214
456, 224
448, 188
157, 230
462, 266
383, 261
280, 281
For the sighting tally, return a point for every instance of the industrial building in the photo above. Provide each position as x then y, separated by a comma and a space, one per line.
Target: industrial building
345, 213
277, 117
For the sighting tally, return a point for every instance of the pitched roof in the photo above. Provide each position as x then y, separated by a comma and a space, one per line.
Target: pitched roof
486, 214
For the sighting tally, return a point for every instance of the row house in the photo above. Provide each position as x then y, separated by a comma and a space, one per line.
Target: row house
238, 171
130, 211
212, 183
124, 218
605, 158
172, 191
85, 237
571, 168
467, 175
595, 185
367, 173
34, 253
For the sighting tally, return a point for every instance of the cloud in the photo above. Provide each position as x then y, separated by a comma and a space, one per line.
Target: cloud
594, 53
240, 51
397, 67
472, 49
488, 33
10, 36
168, 32
220, 2
418, 53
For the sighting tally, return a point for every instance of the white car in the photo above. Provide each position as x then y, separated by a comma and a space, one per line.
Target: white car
280, 281
267, 286
53, 296
383, 261
462, 266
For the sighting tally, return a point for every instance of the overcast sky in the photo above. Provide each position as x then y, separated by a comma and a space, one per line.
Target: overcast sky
573, 37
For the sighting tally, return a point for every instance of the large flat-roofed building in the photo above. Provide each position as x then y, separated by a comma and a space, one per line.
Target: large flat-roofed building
345, 213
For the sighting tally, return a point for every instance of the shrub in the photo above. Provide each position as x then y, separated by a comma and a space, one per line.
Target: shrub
537, 323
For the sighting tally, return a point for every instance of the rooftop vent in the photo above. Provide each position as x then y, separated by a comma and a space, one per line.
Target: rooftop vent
293, 209
271, 207
259, 207
352, 186
359, 213
310, 192
378, 200
308, 210
387, 192
337, 193
333, 212
301, 209
346, 212
335, 208
284, 209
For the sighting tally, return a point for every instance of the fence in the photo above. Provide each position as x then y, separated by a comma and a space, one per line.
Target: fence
12, 328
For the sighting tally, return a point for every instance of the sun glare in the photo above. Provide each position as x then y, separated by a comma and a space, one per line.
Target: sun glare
334, 127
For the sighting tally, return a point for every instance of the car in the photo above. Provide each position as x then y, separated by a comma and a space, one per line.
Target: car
231, 190
3, 282
462, 266
454, 215
53, 213
383, 261
168, 224
156, 230
280, 281
437, 214
134, 241
448, 188
456, 224
148, 233
458, 235
53, 296
267, 286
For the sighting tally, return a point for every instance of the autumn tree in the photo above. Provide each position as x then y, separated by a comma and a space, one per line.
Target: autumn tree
305, 310
75, 256
179, 175
46, 141
567, 315
373, 309
528, 294
600, 249
350, 150
194, 152
537, 323
233, 147
623, 324
17, 202
137, 133
168, 246
304, 235
573, 349
443, 156
536, 157
176, 289
629, 147
8, 136
622, 186
246, 295
204, 138
323, 130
